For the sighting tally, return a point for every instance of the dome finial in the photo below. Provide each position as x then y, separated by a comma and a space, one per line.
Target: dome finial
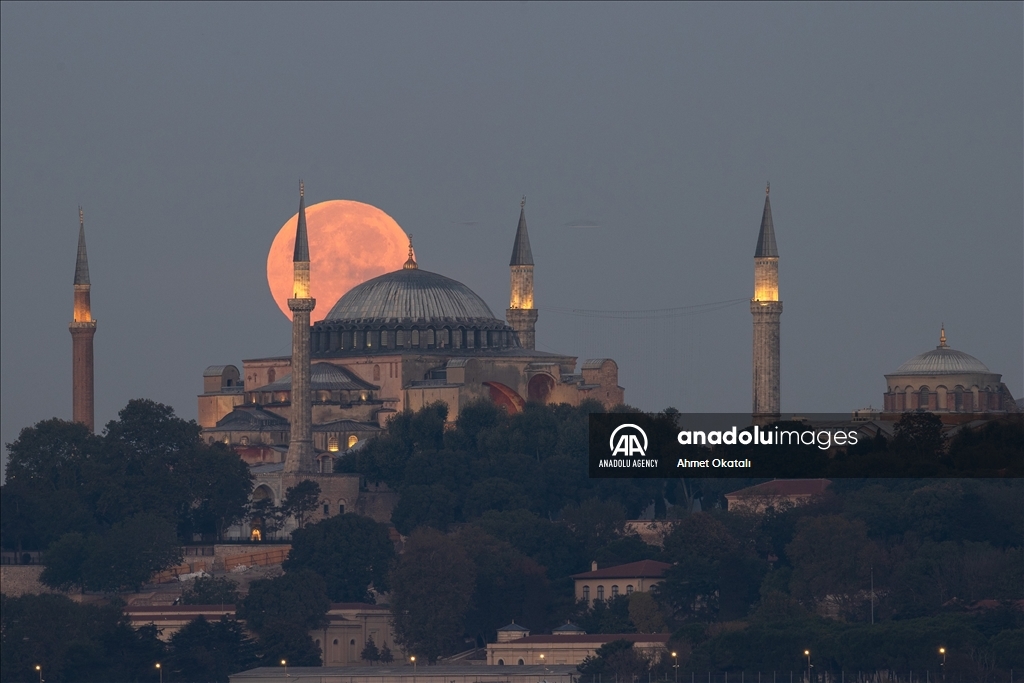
768, 188
942, 337
410, 263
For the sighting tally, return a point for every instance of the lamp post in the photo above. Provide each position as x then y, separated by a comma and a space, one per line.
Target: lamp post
39, 670
284, 663
807, 653
160, 671
942, 651
542, 658
675, 664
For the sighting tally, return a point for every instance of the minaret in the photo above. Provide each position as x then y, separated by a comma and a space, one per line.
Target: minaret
82, 327
300, 447
766, 309
521, 314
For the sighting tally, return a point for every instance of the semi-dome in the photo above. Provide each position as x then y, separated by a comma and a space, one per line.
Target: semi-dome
411, 295
942, 361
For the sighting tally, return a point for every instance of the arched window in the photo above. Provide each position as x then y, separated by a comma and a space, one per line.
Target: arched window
501, 662
376, 370
400, 338
352, 440
430, 338
586, 593
922, 401
629, 589
383, 339
521, 662
415, 339
615, 591
244, 441
600, 592
332, 443
335, 641
271, 375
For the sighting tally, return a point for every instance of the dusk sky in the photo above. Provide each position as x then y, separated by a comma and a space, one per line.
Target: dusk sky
641, 135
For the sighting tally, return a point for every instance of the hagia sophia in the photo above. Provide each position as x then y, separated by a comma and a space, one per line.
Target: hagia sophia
411, 337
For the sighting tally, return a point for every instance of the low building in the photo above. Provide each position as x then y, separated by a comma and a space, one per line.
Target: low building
405, 673
779, 494
623, 579
560, 649
351, 625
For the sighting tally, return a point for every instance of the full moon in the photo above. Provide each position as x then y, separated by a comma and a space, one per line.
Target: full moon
349, 243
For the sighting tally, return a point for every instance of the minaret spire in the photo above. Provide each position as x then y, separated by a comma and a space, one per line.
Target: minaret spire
766, 308
82, 328
300, 447
410, 263
521, 314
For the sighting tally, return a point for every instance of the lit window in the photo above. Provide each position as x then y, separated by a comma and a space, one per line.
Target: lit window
352, 440
332, 444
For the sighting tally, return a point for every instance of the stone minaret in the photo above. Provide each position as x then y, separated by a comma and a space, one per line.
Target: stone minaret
521, 314
300, 447
766, 309
82, 327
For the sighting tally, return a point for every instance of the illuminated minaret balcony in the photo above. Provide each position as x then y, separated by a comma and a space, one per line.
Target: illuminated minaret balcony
521, 314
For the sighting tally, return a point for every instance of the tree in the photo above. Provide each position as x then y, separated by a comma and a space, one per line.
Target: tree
283, 611
431, 590
385, 655
617, 660
420, 506
351, 552
645, 614
64, 560
202, 651
210, 590
298, 599
508, 585
370, 652
75, 642
126, 556
832, 557
300, 500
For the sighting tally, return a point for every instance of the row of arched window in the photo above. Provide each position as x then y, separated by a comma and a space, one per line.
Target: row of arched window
328, 339
959, 399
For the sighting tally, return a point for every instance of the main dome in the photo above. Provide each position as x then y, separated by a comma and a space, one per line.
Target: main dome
410, 294
942, 361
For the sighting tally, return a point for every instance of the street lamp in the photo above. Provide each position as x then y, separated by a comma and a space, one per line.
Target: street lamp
161, 671
942, 651
675, 664
284, 663
39, 669
542, 658
807, 653
413, 660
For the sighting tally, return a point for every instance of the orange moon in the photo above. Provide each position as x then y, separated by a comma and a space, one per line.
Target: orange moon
349, 243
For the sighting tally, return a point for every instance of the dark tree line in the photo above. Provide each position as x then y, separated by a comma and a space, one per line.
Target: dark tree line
108, 510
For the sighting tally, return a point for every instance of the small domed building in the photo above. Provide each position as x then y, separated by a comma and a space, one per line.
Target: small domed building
945, 380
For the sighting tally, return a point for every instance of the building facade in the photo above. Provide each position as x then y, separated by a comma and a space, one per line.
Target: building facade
623, 579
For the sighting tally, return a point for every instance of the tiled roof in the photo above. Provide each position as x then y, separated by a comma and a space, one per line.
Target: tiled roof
644, 569
783, 487
598, 638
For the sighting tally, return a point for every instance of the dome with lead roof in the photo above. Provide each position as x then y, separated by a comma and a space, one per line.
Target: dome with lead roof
412, 295
942, 360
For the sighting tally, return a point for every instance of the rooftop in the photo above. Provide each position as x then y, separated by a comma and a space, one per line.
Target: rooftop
644, 569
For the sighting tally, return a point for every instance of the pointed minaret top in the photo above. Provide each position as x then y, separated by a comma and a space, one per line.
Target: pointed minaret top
410, 263
301, 240
942, 337
82, 264
766, 238
522, 255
